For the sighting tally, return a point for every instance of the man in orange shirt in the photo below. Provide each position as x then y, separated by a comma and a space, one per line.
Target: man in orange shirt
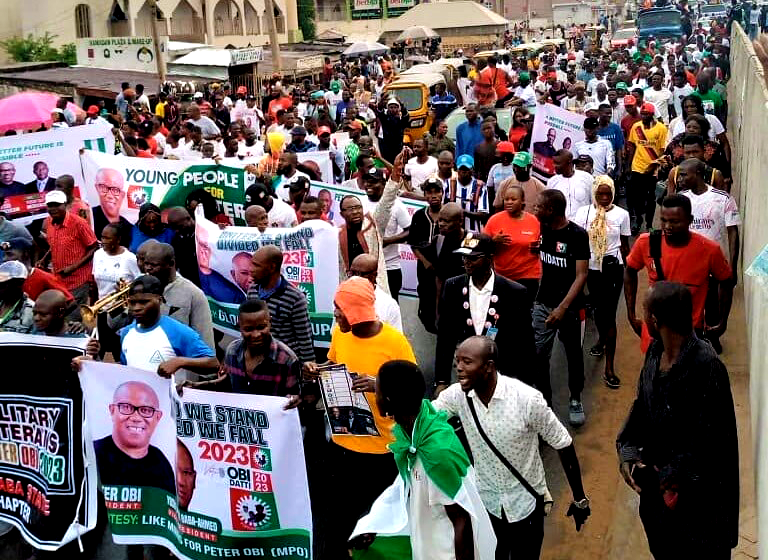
685, 257
498, 79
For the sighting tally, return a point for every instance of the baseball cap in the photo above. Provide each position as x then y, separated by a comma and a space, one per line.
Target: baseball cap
55, 197
648, 108
571, 56
524, 76
242, 89
476, 244
255, 194
19, 244
93, 110
505, 148
591, 107
393, 101
355, 124
12, 269
552, 75
316, 94
613, 66
375, 174
584, 158
323, 130
591, 122
198, 95
522, 159
298, 131
622, 85
465, 160
629, 100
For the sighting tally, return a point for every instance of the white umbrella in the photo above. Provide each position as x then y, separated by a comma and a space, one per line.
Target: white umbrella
416, 33
362, 48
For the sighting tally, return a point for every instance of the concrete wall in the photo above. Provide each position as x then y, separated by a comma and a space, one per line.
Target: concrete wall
748, 116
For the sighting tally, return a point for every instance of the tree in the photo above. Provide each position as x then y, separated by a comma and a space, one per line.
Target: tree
38, 49
306, 10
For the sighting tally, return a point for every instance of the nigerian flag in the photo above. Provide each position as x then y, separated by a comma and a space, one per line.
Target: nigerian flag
409, 518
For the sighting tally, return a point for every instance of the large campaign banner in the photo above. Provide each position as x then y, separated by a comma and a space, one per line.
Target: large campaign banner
310, 262
554, 129
205, 474
30, 164
47, 489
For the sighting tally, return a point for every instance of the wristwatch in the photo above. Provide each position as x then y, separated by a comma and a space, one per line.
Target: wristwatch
582, 504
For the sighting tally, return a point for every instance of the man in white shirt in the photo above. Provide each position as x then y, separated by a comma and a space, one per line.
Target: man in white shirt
525, 95
367, 266
660, 96
598, 79
420, 167
141, 97
513, 416
680, 90
576, 185
600, 149
396, 231
206, 125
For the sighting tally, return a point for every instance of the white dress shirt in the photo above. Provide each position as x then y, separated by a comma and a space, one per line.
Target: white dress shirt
601, 152
479, 302
516, 416
577, 190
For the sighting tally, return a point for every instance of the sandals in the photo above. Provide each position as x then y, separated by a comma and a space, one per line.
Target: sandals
611, 381
597, 350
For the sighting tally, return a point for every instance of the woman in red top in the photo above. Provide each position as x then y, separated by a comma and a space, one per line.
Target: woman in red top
520, 127
516, 235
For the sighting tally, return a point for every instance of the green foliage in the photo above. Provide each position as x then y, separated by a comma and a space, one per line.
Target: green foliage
38, 49
306, 10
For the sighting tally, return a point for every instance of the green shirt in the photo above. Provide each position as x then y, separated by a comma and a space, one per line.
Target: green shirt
713, 101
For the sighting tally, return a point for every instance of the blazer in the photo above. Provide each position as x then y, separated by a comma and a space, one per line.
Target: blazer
515, 328
31, 187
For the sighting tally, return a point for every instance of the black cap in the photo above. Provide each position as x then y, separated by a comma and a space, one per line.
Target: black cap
256, 194
375, 174
476, 244
19, 244
584, 158
591, 122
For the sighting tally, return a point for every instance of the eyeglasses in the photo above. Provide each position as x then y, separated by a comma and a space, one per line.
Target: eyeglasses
352, 208
126, 409
109, 190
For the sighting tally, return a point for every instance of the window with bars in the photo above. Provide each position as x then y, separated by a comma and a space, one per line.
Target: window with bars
82, 21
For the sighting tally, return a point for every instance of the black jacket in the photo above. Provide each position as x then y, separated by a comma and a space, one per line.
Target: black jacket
515, 330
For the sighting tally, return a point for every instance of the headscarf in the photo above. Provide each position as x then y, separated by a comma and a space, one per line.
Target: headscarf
144, 210
356, 299
598, 229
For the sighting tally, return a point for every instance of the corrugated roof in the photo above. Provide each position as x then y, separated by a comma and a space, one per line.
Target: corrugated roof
444, 15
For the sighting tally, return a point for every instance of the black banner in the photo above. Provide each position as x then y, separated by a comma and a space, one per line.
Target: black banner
44, 490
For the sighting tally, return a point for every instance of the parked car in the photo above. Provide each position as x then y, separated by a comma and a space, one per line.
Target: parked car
623, 38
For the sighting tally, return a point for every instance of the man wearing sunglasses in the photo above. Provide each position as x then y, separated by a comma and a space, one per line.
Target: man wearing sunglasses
126, 457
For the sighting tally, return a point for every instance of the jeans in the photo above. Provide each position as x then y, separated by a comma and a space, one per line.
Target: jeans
569, 333
395, 281
641, 197
520, 540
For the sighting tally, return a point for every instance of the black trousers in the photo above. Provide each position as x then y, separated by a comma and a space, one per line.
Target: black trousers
604, 290
532, 285
520, 540
395, 281
641, 197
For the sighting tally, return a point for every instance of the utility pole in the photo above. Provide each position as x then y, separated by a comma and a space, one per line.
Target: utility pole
277, 64
159, 54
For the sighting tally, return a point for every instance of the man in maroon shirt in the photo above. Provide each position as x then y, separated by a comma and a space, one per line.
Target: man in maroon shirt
72, 244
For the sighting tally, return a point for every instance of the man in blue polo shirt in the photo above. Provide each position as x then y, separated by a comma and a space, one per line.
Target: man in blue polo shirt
155, 342
468, 134
611, 132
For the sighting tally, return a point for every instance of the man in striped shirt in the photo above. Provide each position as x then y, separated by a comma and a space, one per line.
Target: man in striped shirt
645, 145
287, 304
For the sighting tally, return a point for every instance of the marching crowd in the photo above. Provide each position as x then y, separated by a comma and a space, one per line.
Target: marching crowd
505, 264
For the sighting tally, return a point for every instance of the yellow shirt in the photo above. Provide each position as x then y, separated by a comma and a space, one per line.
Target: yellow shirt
472, 74
160, 110
649, 144
365, 356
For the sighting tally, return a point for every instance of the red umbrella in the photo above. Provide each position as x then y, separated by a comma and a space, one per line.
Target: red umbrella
30, 110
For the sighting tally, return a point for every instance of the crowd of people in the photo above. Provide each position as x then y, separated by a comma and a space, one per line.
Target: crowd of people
506, 262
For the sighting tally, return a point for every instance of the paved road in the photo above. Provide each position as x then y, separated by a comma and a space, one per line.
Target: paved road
614, 531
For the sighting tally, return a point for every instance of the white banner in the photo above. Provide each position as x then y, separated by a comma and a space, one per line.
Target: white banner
118, 53
209, 475
31, 162
310, 262
554, 129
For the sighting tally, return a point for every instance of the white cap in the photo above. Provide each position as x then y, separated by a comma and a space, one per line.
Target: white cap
55, 197
198, 95
12, 269
591, 107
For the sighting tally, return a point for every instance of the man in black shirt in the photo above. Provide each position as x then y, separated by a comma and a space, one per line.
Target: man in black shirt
183, 243
564, 258
126, 457
679, 447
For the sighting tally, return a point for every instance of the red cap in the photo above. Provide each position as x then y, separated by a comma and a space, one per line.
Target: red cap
629, 100
552, 75
648, 108
93, 110
323, 130
355, 124
242, 89
505, 148
571, 56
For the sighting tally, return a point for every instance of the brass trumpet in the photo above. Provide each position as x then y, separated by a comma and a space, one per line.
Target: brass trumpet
107, 304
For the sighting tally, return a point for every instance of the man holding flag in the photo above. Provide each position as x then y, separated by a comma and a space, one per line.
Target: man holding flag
433, 510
